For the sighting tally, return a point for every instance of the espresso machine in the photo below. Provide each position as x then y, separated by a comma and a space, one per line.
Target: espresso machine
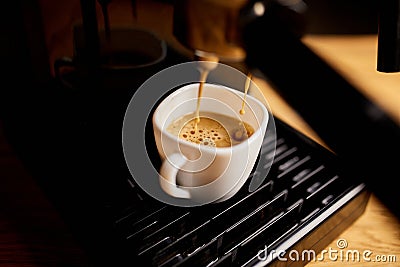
63, 114
233, 30
230, 31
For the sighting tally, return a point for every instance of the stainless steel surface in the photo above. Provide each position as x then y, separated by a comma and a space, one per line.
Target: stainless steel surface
216, 26
210, 26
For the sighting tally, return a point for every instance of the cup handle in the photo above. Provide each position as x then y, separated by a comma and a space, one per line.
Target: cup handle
168, 174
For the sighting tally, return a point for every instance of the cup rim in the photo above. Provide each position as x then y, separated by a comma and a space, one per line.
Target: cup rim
137, 29
252, 138
154, 36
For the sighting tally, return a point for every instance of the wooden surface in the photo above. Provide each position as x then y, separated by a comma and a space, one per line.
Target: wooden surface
33, 234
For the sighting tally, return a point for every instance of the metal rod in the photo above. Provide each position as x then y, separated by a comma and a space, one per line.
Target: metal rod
91, 34
389, 36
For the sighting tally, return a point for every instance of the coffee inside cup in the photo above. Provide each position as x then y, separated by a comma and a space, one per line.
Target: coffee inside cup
213, 129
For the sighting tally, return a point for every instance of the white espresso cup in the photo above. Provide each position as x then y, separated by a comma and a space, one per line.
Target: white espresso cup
202, 173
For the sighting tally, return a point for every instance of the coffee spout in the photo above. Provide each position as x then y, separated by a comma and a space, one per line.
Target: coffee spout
209, 26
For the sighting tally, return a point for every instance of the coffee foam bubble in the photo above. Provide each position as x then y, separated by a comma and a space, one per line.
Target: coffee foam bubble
207, 132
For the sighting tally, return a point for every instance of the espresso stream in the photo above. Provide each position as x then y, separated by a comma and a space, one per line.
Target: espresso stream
203, 78
246, 89
212, 129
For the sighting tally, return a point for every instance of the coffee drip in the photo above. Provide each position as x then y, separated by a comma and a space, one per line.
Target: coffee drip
246, 89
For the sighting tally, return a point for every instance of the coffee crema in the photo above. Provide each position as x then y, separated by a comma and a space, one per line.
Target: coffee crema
213, 129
